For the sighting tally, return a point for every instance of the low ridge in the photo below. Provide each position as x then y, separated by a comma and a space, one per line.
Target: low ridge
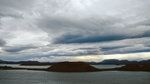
72, 67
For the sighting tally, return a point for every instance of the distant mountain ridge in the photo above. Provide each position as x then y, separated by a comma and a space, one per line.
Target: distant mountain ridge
26, 62
115, 61
108, 61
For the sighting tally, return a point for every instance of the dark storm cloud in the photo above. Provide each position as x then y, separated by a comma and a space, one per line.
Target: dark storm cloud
64, 39
88, 39
136, 51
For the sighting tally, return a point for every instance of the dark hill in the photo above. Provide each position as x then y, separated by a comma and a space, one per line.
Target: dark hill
135, 67
72, 67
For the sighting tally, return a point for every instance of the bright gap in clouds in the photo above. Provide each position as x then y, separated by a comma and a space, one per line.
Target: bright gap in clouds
95, 58
84, 30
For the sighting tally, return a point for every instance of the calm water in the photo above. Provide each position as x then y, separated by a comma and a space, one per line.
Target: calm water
42, 77
107, 66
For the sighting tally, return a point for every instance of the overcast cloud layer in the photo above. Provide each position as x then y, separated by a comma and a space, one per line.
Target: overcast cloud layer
74, 30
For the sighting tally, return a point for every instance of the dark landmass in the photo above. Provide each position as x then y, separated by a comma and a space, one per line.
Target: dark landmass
72, 67
27, 63
85, 67
17, 68
119, 62
60, 67
143, 65
134, 67
82, 67
36, 63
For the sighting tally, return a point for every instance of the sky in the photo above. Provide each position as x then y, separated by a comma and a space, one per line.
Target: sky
74, 30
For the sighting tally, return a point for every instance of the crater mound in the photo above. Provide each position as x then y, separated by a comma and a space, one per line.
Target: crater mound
72, 67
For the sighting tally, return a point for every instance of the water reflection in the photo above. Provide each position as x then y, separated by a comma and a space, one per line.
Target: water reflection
41, 77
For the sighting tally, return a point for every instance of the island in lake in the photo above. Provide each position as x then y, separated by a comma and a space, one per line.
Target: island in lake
82, 67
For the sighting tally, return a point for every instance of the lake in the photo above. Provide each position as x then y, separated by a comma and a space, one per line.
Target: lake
43, 77
97, 66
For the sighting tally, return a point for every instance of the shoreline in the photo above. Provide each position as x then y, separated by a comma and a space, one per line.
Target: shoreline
124, 68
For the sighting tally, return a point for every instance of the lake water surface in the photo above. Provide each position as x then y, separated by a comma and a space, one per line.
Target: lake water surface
97, 66
43, 77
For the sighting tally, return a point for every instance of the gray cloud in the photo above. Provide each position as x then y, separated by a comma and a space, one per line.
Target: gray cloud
2, 42
14, 8
18, 49
90, 30
86, 39
42, 28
